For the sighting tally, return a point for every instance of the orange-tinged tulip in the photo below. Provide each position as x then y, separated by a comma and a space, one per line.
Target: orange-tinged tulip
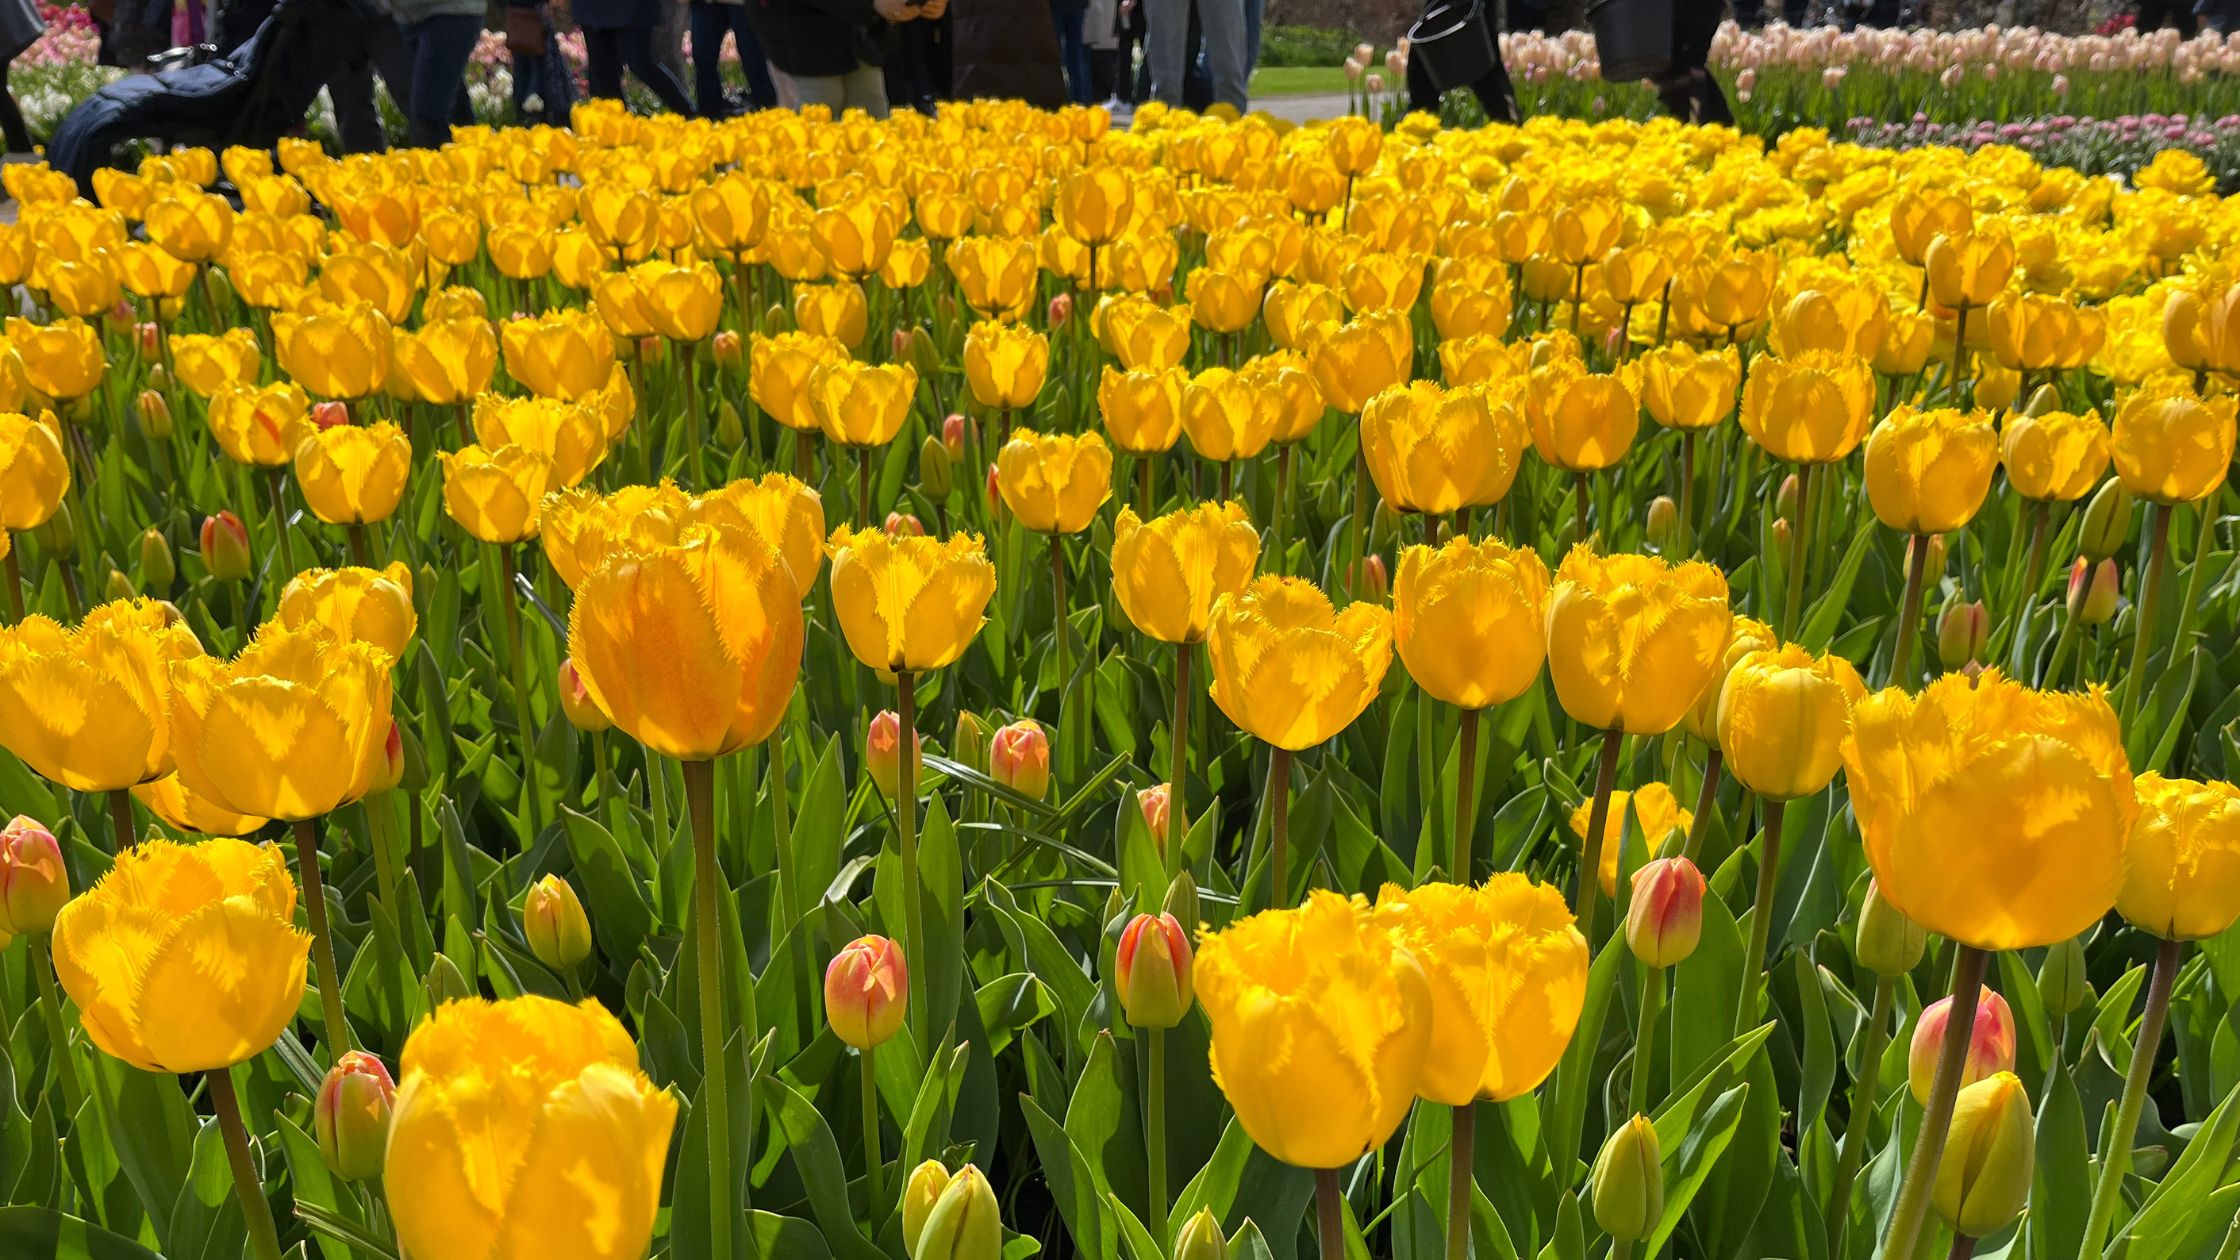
260, 425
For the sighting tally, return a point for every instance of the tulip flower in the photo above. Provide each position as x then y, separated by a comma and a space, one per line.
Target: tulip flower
351, 1116
359, 605
260, 425
1927, 472
1054, 484
1783, 715
778, 372
1019, 758
961, 1220
582, 1135
1229, 417
1986, 1176
1142, 411
1990, 1044
571, 436
1814, 408
353, 476
2031, 332
34, 477
207, 363
339, 353
996, 274
553, 922
62, 360
1439, 451
494, 494
563, 354
1834, 317
1143, 335
1355, 361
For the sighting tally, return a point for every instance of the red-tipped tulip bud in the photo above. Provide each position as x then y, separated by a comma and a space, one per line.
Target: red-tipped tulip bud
952, 436
330, 415
965, 1223
898, 346
866, 991
992, 492
1784, 539
1155, 802
1989, 1155
1369, 580
2107, 521
1990, 1050
1962, 630
937, 470
726, 349
651, 349
1153, 971
1888, 943
1628, 1182
157, 567
919, 1193
225, 547
553, 920
1019, 758
154, 414
1061, 310
583, 712
391, 770
905, 525
150, 340
2094, 591
1666, 917
351, 1115
882, 752
34, 884
1201, 1238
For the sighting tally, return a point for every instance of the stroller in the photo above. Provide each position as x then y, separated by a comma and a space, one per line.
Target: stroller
244, 89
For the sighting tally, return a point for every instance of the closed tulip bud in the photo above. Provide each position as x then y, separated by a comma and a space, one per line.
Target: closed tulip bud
1061, 310
148, 338
225, 547
1152, 971
1933, 566
2107, 521
991, 492
352, 1115
952, 436
1962, 630
1888, 943
777, 318
582, 711
2063, 987
729, 351
965, 1223
936, 470
904, 525
1990, 1050
1200, 1238
970, 746
919, 1193
866, 991
1785, 499
1663, 524
60, 532
552, 918
1784, 539
730, 429
218, 287
1182, 899
34, 884
1666, 918
1155, 802
119, 586
1628, 1182
652, 350
329, 415
1019, 758
1370, 581
154, 415
2093, 591
922, 354
157, 568
1990, 1152
882, 752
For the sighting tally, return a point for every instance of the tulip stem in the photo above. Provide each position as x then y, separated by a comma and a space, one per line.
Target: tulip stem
697, 432
1330, 1213
50, 1003
337, 1030
1464, 818
2115, 1161
1912, 1209
1583, 482
381, 842
1178, 761
516, 653
15, 584
1279, 804
1687, 493
1909, 611
248, 1187
2198, 572
1761, 913
120, 819
1061, 633
1282, 508
1461, 1170
863, 487
1800, 546
906, 827
873, 1200
1858, 1128
715, 1095
1959, 349
1645, 1037
1144, 469
1706, 797
2150, 600
272, 482
2033, 576
1358, 552
1587, 895
1963, 1247
1155, 1129
361, 552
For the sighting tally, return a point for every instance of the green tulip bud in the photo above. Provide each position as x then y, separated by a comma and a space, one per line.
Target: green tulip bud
937, 472
1888, 943
1182, 901
923, 354
965, 1223
157, 567
154, 414
729, 430
1201, 1238
119, 586
60, 533
1628, 1182
1663, 525
218, 287
2062, 985
970, 747
2107, 521
1984, 1178
445, 983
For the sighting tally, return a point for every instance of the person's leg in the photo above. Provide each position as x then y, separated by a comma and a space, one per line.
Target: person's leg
1496, 95
1255, 11
1423, 93
864, 88
602, 62
427, 112
761, 94
708, 27
801, 91
357, 120
637, 53
12, 129
1166, 41
1225, 49
1073, 43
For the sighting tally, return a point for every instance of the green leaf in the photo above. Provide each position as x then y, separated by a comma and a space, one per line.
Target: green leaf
2172, 1222
1690, 1155
620, 914
50, 1235
206, 1221
2061, 1185
1072, 1180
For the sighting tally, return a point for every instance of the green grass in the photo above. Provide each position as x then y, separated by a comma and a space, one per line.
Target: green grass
1298, 80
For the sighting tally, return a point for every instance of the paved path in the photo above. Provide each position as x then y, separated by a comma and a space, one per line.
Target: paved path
1300, 109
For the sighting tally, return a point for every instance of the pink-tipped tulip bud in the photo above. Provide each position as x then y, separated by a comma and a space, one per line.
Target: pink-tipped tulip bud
553, 920
583, 712
1962, 630
1369, 580
1152, 969
2093, 591
898, 346
225, 547
905, 525
992, 493
151, 340
34, 884
1888, 943
1019, 758
1061, 310
726, 349
391, 770
1990, 1050
1155, 802
351, 1115
154, 413
866, 991
1784, 539
652, 349
882, 752
1666, 917
952, 436
330, 415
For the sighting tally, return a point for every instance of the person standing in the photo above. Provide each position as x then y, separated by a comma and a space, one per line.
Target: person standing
20, 28
618, 35
710, 20
439, 39
831, 52
543, 86
1223, 25
1008, 50
1070, 16
1686, 88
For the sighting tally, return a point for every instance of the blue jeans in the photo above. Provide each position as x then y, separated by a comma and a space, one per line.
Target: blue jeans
440, 48
1073, 53
1254, 11
1168, 39
709, 21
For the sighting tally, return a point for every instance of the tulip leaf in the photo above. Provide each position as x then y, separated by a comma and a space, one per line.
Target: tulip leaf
2178, 1217
1818, 1075
50, 1235
1133, 1235
1827, 611
1691, 1154
1567, 1122
620, 915
153, 1132
816, 1156
1072, 1180
786, 1237
2062, 1180
1009, 1004
206, 1222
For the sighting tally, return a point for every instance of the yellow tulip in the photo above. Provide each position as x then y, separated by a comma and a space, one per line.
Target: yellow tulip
780, 510
88, 707
1581, 421
996, 274
1969, 268
2033, 332
1470, 620
447, 361
2183, 877
1813, 409
260, 425
207, 363
1288, 668
62, 360
1927, 472
910, 602
778, 374
1783, 713
732, 211
34, 473
1293, 308
358, 605
525, 1128
835, 310
169, 800
1169, 572
451, 237
1054, 483
1747, 635
564, 354
1143, 335
185, 958
1357, 360
494, 494
859, 404
1508, 978
192, 226
520, 251
353, 474
1471, 306
1221, 302
1228, 415
371, 275
1657, 817
1585, 229
1733, 290
1984, 1180
1096, 203
1634, 640
1923, 212
857, 233
291, 728
908, 265
1005, 364
2054, 456
1142, 409
692, 647
572, 436
1321, 1025
1993, 814
1488, 360
146, 270
2172, 446
1846, 318
339, 353
1683, 388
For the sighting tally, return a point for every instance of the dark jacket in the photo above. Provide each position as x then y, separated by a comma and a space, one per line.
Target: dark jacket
1007, 49
819, 38
607, 14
